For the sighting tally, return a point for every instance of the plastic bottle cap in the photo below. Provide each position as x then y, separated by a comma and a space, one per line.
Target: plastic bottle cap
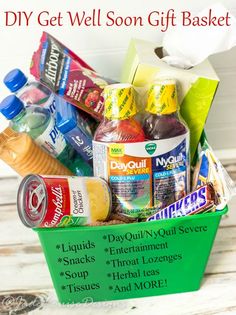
162, 97
66, 117
11, 106
15, 80
119, 101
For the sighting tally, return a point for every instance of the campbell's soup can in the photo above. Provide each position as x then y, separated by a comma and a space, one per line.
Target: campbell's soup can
62, 201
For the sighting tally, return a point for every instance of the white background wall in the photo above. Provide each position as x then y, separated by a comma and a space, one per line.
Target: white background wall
104, 49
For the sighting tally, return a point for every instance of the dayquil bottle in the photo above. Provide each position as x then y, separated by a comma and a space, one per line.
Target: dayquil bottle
22, 154
116, 134
119, 124
162, 123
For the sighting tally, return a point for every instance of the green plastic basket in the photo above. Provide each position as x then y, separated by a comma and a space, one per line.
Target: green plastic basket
123, 261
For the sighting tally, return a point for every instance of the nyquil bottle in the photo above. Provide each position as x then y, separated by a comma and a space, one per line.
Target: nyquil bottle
170, 168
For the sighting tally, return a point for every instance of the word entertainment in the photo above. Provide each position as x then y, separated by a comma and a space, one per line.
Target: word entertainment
162, 20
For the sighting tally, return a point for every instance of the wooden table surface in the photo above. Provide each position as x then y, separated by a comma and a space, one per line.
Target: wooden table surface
26, 285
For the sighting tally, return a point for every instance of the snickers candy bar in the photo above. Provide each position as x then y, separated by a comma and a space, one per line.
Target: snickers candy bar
200, 200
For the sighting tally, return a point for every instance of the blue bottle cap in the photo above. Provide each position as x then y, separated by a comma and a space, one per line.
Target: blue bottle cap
66, 116
11, 106
15, 80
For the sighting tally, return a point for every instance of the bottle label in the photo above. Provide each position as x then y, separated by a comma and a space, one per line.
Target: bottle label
68, 203
81, 142
50, 105
145, 176
51, 140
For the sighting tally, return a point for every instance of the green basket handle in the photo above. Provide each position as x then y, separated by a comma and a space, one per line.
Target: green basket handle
203, 138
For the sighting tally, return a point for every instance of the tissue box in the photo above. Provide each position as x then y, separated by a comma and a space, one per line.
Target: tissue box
197, 86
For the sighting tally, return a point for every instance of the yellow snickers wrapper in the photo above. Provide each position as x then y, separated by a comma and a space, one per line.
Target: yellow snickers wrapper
119, 101
162, 97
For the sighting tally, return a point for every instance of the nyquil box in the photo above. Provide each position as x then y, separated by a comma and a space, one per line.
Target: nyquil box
196, 88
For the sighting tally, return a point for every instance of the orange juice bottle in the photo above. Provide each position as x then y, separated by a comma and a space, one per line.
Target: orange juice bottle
21, 153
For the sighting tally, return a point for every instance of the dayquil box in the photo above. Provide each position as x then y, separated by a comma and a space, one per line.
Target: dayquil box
196, 89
